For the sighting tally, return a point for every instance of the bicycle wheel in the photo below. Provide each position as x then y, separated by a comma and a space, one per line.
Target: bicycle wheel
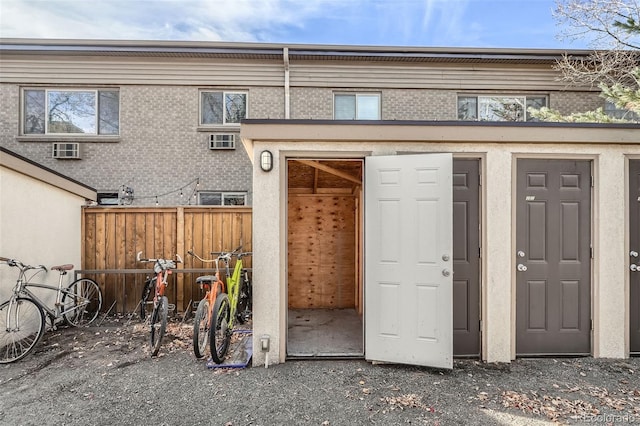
220, 334
20, 329
158, 324
81, 302
244, 301
146, 290
201, 328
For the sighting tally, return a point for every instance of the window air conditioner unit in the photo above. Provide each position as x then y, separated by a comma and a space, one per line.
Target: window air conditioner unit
66, 150
222, 141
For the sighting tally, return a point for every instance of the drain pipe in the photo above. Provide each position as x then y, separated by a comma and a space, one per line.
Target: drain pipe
285, 57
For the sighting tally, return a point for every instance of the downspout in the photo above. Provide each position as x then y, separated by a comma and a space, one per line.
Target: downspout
285, 57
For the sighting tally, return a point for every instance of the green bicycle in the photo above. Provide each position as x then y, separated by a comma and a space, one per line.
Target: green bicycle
232, 302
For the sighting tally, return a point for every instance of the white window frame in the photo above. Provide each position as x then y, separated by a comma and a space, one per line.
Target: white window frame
223, 195
525, 116
47, 90
224, 109
378, 95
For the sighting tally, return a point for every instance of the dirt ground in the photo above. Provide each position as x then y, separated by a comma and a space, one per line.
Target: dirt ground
104, 375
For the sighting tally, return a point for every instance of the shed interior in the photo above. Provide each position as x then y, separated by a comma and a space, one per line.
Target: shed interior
324, 284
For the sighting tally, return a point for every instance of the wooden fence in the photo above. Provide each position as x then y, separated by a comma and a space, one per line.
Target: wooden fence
113, 236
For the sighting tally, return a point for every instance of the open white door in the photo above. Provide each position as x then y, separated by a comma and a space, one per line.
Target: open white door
408, 307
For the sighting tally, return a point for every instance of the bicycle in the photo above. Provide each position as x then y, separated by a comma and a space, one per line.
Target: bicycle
22, 317
162, 268
219, 308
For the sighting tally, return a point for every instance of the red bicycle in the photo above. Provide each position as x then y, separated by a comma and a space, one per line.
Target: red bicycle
162, 268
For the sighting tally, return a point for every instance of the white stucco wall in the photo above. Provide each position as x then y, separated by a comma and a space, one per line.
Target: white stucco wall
39, 224
498, 161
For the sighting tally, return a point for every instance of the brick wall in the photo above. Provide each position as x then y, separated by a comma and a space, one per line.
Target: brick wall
161, 149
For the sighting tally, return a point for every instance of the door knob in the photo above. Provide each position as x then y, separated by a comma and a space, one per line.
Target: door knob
633, 253
520, 253
634, 267
446, 272
521, 267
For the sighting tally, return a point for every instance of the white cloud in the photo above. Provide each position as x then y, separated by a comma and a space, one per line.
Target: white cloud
232, 20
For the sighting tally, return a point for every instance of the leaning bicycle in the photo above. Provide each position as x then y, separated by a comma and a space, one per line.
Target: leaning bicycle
23, 316
162, 269
222, 305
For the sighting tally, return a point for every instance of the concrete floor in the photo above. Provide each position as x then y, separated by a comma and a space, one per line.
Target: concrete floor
324, 333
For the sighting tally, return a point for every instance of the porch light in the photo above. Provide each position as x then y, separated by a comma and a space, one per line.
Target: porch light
266, 161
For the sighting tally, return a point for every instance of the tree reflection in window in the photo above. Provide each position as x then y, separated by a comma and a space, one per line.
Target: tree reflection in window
71, 112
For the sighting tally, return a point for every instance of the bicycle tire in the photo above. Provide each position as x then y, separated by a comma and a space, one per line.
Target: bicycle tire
245, 304
219, 332
201, 329
16, 343
81, 302
146, 291
159, 324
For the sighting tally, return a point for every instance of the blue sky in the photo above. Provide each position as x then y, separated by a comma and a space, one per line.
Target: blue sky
431, 23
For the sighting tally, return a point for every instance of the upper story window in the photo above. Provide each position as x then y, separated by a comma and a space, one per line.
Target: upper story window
613, 111
356, 106
71, 111
498, 108
214, 198
222, 108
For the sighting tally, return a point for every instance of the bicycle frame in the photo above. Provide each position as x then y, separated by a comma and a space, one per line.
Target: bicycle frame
162, 268
233, 288
21, 289
213, 289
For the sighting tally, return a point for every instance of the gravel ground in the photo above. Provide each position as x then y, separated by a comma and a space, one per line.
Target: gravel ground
104, 375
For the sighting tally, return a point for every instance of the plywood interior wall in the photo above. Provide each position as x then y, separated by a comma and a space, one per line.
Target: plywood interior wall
322, 251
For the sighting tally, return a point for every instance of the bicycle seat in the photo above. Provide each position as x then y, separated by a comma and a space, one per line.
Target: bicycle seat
65, 267
206, 279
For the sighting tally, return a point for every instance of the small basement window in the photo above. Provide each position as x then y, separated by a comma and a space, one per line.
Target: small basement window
217, 198
108, 198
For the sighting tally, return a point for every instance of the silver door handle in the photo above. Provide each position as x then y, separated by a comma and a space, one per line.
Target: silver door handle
521, 267
446, 272
633, 253
634, 267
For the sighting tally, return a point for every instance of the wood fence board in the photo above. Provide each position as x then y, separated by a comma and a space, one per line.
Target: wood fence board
113, 236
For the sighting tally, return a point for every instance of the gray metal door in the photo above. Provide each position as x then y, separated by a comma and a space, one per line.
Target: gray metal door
408, 259
553, 257
634, 249
466, 257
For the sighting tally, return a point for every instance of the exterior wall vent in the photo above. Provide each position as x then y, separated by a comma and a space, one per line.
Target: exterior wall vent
66, 150
222, 141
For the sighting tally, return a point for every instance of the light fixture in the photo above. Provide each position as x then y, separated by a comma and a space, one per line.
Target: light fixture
266, 161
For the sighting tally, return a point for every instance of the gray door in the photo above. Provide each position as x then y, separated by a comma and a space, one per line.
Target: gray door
408, 259
466, 257
634, 249
553, 257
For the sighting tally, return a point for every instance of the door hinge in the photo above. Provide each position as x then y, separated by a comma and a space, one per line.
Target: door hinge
592, 181
591, 250
591, 324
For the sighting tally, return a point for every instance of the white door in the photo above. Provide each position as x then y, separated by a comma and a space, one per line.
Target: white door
408, 307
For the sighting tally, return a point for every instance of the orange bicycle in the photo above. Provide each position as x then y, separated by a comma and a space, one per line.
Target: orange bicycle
221, 305
162, 268
212, 285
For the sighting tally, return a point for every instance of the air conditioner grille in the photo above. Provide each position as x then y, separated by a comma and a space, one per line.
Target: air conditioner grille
66, 150
222, 141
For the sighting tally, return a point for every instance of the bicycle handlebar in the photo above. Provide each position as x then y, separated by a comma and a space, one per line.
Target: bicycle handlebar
140, 259
20, 265
221, 255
